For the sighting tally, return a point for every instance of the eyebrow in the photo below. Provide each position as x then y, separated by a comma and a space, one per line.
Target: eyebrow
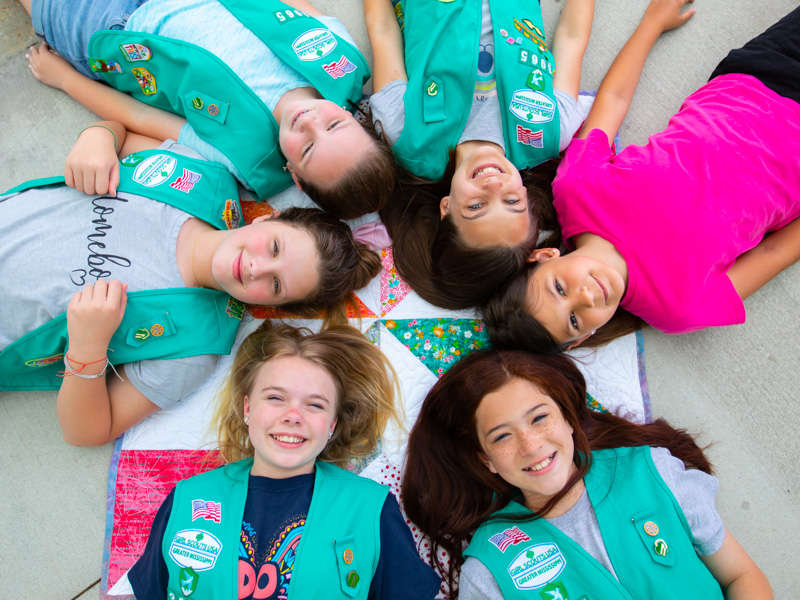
479, 215
342, 123
278, 388
556, 297
496, 427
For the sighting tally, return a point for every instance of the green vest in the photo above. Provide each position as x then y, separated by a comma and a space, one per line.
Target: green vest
169, 323
644, 531
187, 80
339, 547
441, 54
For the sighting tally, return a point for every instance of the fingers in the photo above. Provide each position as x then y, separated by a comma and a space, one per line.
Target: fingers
113, 181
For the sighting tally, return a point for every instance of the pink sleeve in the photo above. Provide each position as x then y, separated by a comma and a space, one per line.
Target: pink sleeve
721, 306
581, 159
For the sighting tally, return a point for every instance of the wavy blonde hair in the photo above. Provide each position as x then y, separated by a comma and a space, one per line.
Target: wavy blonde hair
365, 386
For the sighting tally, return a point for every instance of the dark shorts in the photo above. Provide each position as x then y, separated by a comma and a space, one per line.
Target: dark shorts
67, 25
773, 57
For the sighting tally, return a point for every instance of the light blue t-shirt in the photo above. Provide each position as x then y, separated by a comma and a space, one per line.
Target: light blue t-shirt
208, 24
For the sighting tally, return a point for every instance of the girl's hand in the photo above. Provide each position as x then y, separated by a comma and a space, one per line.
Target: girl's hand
666, 14
47, 66
93, 315
92, 166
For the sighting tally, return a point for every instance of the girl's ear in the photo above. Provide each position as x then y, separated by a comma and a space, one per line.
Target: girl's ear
294, 176
444, 207
246, 407
486, 462
543, 255
273, 215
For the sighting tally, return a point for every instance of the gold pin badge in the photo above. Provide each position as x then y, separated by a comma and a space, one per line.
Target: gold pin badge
661, 547
157, 330
651, 528
348, 556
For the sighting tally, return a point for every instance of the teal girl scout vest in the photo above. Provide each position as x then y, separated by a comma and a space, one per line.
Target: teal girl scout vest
441, 53
644, 530
187, 80
168, 323
338, 552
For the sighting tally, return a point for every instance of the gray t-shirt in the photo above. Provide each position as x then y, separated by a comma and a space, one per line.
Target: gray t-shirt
54, 241
484, 121
694, 490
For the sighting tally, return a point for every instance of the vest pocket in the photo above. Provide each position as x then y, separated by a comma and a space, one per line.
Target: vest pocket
656, 536
433, 100
151, 329
198, 103
347, 562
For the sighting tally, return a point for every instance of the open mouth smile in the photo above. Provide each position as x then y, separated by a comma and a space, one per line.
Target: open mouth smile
543, 464
486, 171
290, 441
298, 115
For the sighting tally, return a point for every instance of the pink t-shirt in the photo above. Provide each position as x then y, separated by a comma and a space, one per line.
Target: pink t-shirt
682, 208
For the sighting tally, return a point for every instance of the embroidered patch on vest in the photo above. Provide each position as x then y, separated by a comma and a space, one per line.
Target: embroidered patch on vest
230, 215
145, 80
185, 183
536, 566
205, 509
187, 579
98, 65
314, 44
43, 362
532, 32
195, 548
509, 537
135, 52
155, 170
535, 80
554, 591
284, 16
235, 309
339, 68
132, 160
532, 107
530, 138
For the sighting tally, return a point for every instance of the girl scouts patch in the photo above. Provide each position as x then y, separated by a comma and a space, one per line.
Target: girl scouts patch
185, 183
230, 215
532, 107
145, 80
43, 362
536, 566
135, 52
155, 170
314, 44
195, 549
98, 65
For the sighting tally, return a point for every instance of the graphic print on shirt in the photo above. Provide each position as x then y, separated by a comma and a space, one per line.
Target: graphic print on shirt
101, 258
485, 84
265, 571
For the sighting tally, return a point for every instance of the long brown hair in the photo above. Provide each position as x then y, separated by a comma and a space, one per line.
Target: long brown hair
345, 264
431, 257
448, 491
366, 385
511, 327
366, 187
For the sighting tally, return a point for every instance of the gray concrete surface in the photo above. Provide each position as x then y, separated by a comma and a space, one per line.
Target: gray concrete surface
738, 386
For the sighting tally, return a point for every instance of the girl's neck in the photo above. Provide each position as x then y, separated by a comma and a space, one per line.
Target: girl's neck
590, 244
301, 93
562, 506
464, 149
197, 242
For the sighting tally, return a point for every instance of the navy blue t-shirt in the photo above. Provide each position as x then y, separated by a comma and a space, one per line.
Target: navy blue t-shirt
274, 516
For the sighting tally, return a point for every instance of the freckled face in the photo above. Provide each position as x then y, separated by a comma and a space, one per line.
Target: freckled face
322, 141
526, 440
487, 201
292, 409
269, 263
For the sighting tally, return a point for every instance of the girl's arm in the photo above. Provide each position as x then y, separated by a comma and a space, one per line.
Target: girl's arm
92, 165
103, 100
616, 91
569, 44
776, 252
386, 40
736, 572
94, 411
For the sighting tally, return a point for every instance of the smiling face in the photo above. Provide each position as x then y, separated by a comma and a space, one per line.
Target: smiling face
322, 141
487, 201
573, 295
267, 262
291, 410
526, 440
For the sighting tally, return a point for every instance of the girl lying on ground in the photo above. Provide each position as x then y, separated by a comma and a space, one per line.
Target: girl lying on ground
676, 233
508, 468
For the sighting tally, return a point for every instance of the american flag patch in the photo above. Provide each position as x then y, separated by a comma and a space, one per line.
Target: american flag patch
339, 68
210, 511
509, 537
531, 138
186, 182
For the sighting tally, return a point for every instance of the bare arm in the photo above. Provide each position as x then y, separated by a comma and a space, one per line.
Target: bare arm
386, 39
569, 44
92, 412
106, 102
736, 572
778, 251
617, 89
